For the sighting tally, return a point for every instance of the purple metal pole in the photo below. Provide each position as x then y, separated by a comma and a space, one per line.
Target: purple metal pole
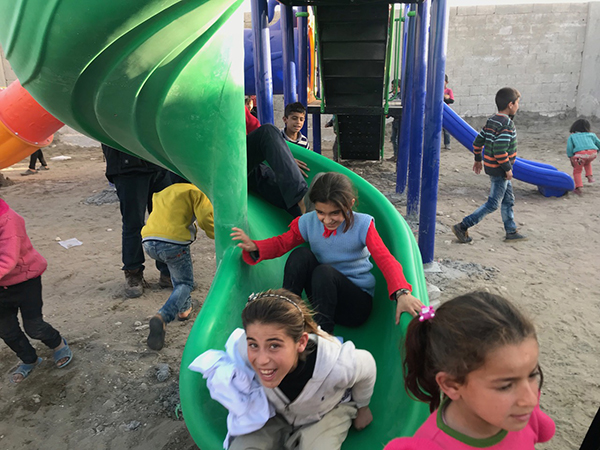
303, 59
434, 109
407, 105
262, 61
289, 57
418, 110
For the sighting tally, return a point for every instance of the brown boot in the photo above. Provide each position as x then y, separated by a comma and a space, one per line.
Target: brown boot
165, 281
134, 280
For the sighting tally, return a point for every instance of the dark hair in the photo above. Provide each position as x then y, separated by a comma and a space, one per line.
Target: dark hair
581, 126
333, 187
296, 107
446, 78
280, 307
458, 339
505, 96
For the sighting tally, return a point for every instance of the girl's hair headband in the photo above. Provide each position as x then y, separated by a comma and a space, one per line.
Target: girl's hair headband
255, 296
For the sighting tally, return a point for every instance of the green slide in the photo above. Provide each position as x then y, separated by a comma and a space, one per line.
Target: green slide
163, 79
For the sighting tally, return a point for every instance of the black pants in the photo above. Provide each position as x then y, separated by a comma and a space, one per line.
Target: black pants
592, 438
334, 298
280, 183
135, 196
27, 297
34, 157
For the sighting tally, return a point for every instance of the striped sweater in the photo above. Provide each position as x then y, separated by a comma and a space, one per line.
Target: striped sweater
498, 143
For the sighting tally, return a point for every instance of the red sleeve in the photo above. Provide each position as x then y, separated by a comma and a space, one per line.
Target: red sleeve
252, 122
451, 94
276, 246
391, 269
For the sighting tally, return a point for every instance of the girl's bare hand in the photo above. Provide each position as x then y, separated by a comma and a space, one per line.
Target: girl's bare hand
246, 243
407, 303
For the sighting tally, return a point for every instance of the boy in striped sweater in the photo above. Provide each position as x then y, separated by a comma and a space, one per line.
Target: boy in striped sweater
497, 142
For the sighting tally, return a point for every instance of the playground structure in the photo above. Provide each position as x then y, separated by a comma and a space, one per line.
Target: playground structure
164, 79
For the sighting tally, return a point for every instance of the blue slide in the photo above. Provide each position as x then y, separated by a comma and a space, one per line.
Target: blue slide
550, 181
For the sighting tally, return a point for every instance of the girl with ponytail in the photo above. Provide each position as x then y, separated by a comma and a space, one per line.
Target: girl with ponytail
475, 362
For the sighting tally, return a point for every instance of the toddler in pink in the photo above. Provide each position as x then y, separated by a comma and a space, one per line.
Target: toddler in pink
475, 362
582, 149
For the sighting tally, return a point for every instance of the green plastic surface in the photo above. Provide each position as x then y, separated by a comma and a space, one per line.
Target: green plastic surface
163, 79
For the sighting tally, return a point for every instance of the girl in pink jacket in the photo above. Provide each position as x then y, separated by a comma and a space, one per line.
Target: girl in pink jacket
21, 268
475, 361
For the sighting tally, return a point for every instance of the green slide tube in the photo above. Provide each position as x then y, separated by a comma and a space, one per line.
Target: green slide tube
163, 80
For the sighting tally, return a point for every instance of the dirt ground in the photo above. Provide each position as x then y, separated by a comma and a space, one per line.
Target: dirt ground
110, 396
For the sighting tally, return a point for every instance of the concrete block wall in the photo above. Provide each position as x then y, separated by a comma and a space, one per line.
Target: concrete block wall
536, 48
7, 75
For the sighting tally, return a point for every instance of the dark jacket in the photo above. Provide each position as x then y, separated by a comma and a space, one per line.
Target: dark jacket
121, 163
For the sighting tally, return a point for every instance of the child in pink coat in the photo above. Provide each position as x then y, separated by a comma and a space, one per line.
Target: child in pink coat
21, 268
475, 361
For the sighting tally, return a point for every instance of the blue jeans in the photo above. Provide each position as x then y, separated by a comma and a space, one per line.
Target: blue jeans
179, 261
501, 194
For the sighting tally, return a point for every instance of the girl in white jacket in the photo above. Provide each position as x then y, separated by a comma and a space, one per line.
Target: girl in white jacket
316, 385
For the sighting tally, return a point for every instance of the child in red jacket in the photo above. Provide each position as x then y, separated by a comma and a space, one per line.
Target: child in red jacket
21, 268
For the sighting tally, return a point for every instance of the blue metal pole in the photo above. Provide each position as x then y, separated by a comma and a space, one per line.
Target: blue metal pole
303, 60
407, 104
262, 61
316, 127
289, 57
434, 111
418, 110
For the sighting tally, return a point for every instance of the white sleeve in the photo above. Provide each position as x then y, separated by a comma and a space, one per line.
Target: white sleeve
365, 376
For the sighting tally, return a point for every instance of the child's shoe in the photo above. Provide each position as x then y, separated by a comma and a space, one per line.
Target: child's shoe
23, 370
514, 237
28, 172
578, 191
461, 233
42, 167
156, 338
590, 178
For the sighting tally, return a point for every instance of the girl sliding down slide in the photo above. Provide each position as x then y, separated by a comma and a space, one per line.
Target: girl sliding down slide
312, 388
335, 271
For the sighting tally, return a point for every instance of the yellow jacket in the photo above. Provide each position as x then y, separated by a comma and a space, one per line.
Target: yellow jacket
174, 211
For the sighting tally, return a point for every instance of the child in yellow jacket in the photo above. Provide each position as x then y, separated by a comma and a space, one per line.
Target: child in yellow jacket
166, 237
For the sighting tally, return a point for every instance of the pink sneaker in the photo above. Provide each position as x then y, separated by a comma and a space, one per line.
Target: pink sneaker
590, 178
578, 191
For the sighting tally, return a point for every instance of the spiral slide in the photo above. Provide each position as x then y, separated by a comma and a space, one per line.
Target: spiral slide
550, 181
163, 79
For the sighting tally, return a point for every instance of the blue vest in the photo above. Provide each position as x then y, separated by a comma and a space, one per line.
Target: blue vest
345, 251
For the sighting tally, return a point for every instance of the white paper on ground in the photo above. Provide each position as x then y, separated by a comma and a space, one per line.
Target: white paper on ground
73, 242
60, 158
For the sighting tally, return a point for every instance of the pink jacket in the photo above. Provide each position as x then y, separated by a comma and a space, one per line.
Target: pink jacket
19, 261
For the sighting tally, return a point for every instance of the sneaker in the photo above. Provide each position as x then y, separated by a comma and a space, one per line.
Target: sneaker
461, 234
43, 168
134, 280
514, 237
578, 191
590, 178
28, 172
165, 281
